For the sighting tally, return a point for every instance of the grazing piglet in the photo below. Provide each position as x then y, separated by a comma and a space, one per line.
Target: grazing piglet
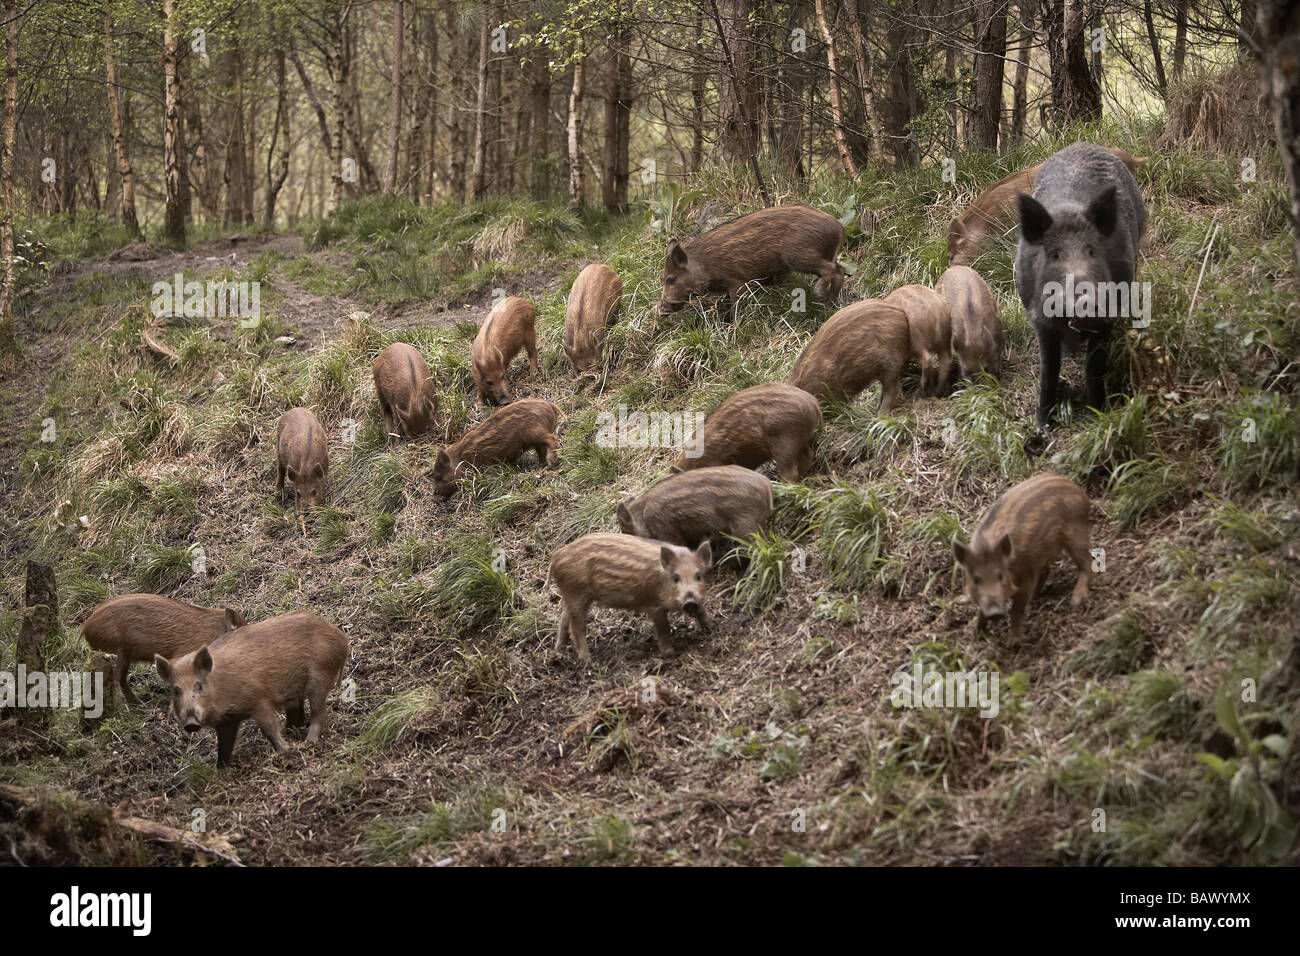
771, 422
994, 210
929, 328
135, 627
283, 663
507, 329
862, 343
527, 423
302, 456
708, 504
593, 305
1079, 235
760, 245
976, 326
1016, 542
407, 396
618, 570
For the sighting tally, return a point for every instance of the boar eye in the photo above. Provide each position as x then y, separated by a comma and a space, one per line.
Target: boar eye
699, 577
977, 579
670, 280
676, 578
176, 690
198, 687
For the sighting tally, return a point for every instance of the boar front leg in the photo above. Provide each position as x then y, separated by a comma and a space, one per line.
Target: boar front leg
1019, 607
1082, 556
1049, 372
121, 673
227, 734
660, 618
268, 721
530, 343
320, 712
1097, 361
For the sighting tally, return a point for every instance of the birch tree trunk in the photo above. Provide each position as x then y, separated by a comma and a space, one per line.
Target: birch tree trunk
124, 173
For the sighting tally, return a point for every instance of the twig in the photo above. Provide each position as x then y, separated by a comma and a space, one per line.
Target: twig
1204, 262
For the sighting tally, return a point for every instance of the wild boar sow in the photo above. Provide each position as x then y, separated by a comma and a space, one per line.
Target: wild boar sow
407, 396
994, 210
302, 456
523, 425
929, 332
592, 307
621, 571
286, 663
976, 325
1079, 234
1017, 540
708, 504
771, 422
135, 627
862, 343
760, 245
508, 328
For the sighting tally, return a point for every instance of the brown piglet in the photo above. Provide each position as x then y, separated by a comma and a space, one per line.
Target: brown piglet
861, 343
929, 328
593, 306
302, 456
708, 504
976, 326
1015, 543
135, 627
526, 424
507, 329
770, 422
622, 571
408, 397
760, 245
284, 663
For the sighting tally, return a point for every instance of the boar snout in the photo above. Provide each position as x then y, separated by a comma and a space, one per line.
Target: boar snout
666, 307
190, 722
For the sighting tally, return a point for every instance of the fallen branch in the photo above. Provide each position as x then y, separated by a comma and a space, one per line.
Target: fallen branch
197, 844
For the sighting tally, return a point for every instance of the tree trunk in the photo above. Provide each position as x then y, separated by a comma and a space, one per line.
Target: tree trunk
576, 173
865, 79
618, 113
192, 112
1075, 94
341, 59
1158, 60
737, 98
540, 125
174, 210
476, 180
1020, 85
8, 338
235, 171
395, 110
279, 137
1180, 38
991, 44
1277, 31
837, 104
698, 81
124, 173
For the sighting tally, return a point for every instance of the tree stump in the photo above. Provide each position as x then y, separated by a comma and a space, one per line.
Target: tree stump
40, 623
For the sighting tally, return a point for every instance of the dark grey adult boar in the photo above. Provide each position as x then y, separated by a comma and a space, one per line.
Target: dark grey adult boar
1079, 228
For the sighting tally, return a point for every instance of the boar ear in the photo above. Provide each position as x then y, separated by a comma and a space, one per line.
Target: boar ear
202, 663
162, 666
443, 460
624, 516
233, 619
704, 553
960, 551
676, 254
1034, 219
1104, 211
667, 558
1005, 545
319, 470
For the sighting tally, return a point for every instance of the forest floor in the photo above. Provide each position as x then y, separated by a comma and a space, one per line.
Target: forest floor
773, 738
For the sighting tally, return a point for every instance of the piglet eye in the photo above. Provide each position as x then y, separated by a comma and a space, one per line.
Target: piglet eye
670, 280
676, 578
699, 577
977, 579
198, 688
176, 690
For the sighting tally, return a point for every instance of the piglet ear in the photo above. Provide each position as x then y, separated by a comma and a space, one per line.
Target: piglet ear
1035, 220
960, 551
203, 663
624, 516
667, 558
162, 666
1005, 545
443, 460
1104, 211
676, 254
233, 619
704, 553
